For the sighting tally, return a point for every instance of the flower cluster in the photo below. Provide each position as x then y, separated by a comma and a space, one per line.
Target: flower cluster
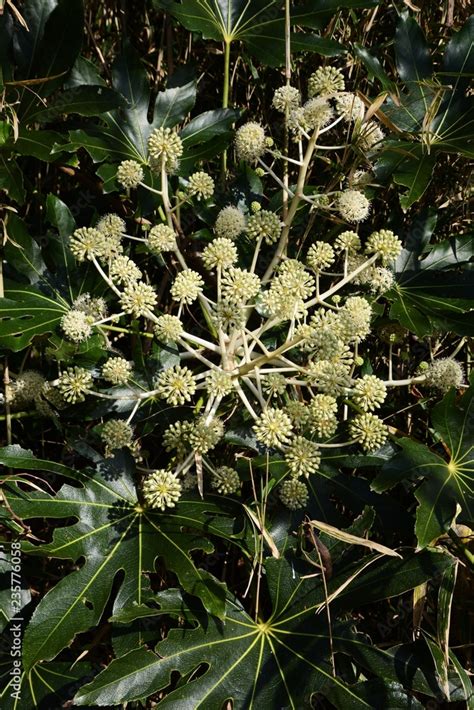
265, 316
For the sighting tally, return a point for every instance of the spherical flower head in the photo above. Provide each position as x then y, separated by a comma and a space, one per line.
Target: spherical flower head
286, 98
297, 122
73, 383
162, 489
326, 81
347, 241
187, 286
360, 179
239, 286
220, 253
112, 226
298, 413
370, 137
302, 457
138, 299
369, 393
76, 326
285, 299
116, 434
293, 494
317, 113
265, 225
176, 437
320, 256
354, 319
161, 238
273, 428
204, 436
95, 308
86, 242
219, 383
229, 315
225, 480
331, 377
176, 384
130, 174
165, 148
201, 185
322, 415
250, 142
384, 243
230, 223
123, 270
116, 370
349, 106
379, 279
274, 384
28, 387
443, 374
369, 431
169, 329
353, 206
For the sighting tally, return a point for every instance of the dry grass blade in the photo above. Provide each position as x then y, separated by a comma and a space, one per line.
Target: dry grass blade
265, 534
352, 539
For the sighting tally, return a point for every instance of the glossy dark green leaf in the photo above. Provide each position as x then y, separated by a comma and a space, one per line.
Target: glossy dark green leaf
21, 250
49, 47
26, 313
112, 533
446, 483
11, 179
412, 52
291, 640
450, 252
37, 144
87, 100
47, 686
458, 60
374, 67
377, 693
208, 125
415, 174
260, 24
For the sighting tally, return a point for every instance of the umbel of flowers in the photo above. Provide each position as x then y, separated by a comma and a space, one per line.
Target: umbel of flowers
304, 393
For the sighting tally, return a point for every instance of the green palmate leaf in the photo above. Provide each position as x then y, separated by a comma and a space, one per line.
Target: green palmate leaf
22, 252
128, 127
458, 60
261, 24
420, 304
47, 686
283, 659
450, 252
379, 693
48, 48
412, 52
26, 313
414, 172
208, 125
374, 67
113, 533
37, 144
447, 483
87, 100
